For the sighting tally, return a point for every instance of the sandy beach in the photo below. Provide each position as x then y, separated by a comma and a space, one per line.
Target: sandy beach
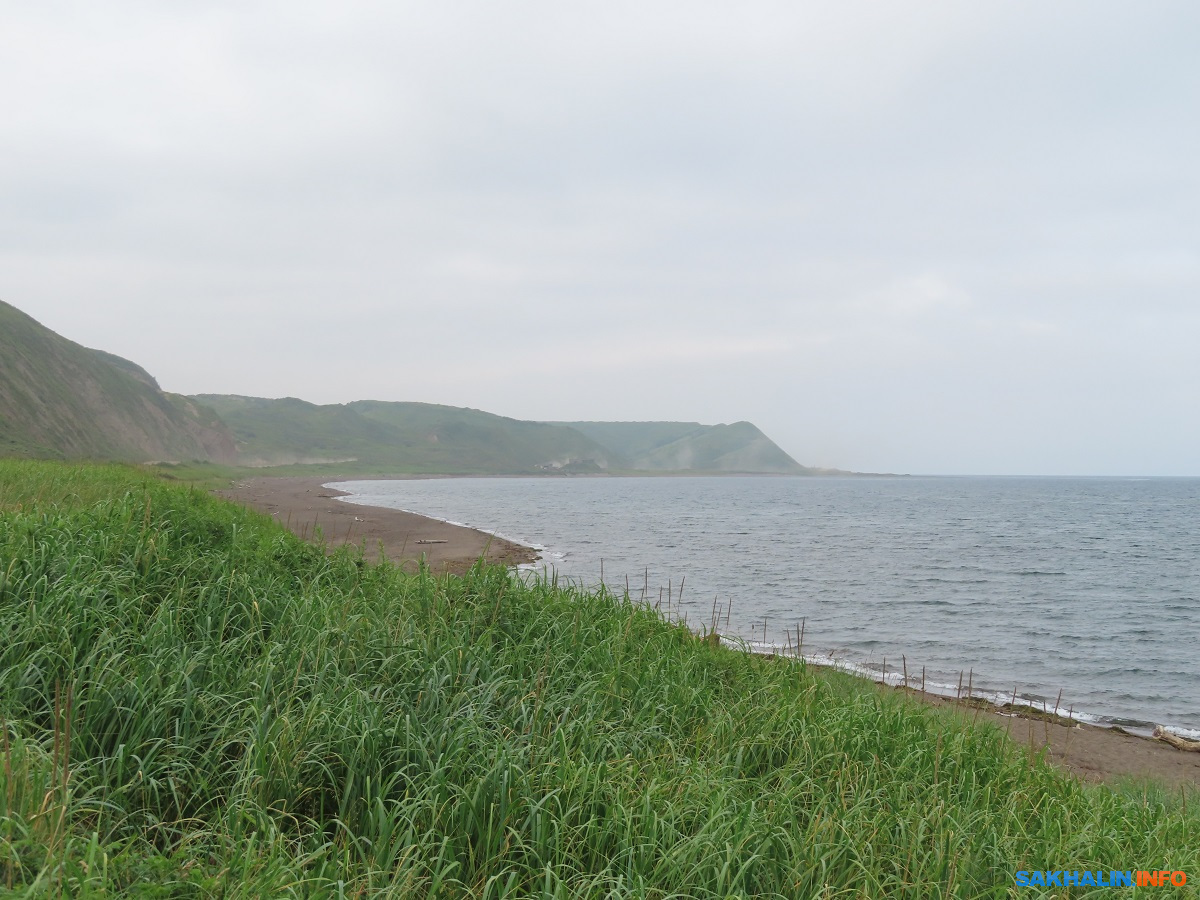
307, 507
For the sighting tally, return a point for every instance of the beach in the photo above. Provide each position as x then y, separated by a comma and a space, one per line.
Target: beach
307, 507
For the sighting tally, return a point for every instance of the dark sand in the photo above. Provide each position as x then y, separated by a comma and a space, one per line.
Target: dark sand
304, 506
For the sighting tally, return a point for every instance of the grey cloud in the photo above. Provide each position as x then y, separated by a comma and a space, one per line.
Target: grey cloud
947, 237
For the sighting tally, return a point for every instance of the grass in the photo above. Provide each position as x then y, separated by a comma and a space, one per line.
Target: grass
195, 703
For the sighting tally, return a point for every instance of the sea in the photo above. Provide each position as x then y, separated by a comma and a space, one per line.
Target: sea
1077, 595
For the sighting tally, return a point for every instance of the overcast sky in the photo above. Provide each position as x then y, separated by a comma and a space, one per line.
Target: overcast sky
954, 237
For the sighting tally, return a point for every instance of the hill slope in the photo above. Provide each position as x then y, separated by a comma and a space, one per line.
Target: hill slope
429, 438
407, 437
690, 446
61, 400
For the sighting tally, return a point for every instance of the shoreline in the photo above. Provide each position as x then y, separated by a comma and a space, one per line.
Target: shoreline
303, 504
1093, 753
1014, 703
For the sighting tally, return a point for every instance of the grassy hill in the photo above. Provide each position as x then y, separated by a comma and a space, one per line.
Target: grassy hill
402, 437
61, 400
193, 703
690, 446
425, 437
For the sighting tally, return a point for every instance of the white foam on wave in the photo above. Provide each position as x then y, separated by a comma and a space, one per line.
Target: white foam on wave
997, 699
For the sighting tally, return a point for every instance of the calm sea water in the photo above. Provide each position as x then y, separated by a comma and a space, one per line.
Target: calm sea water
1086, 586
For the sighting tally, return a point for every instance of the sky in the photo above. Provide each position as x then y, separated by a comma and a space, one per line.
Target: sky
921, 237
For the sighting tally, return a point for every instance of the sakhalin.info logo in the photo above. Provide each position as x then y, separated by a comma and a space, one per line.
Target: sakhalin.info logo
1128, 878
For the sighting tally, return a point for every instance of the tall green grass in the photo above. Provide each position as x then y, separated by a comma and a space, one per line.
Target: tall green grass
195, 703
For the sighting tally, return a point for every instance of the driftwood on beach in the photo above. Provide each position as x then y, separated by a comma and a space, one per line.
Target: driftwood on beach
1176, 741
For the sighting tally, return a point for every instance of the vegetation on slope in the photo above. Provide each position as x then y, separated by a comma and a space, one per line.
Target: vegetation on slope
428, 438
690, 446
634, 440
195, 703
61, 400
401, 437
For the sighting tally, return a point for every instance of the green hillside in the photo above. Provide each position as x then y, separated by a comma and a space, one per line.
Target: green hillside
633, 440
61, 400
403, 437
479, 435
690, 446
428, 438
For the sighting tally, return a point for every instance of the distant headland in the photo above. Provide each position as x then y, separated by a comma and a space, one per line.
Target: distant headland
60, 400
